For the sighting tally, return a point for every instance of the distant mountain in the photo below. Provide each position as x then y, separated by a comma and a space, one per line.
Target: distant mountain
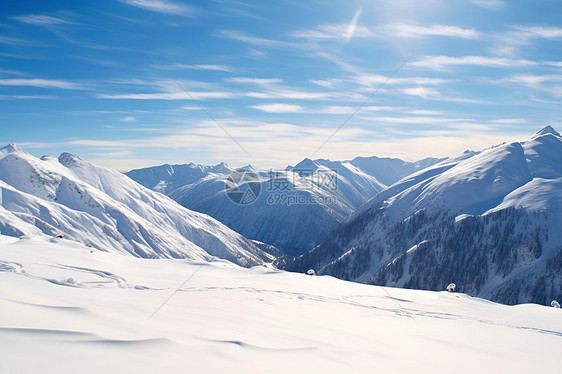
489, 221
76, 200
167, 178
390, 170
297, 207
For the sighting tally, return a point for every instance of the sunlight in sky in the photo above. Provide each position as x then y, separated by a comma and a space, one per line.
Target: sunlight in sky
353, 25
82, 78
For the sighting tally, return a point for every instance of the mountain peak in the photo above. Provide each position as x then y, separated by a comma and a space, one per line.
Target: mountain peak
306, 164
12, 148
548, 130
68, 159
221, 168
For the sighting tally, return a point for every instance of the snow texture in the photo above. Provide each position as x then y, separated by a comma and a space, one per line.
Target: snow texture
67, 309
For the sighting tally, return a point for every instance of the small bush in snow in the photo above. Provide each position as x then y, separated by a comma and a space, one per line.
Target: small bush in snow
555, 304
451, 287
310, 272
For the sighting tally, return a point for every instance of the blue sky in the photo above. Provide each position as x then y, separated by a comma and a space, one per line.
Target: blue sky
114, 81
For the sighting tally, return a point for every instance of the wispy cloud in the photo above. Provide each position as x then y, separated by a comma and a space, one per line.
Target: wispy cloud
256, 40
16, 41
403, 30
547, 32
26, 97
275, 144
179, 95
128, 119
278, 108
445, 62
259, 81
336, 31
394, 30
326, 83
13, 72
41, 20
161, 6
199, 67
332, 109
36, 82
508, 43
549, 83
295, 94
417, 91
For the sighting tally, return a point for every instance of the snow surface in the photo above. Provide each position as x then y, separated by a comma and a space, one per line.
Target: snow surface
67, 308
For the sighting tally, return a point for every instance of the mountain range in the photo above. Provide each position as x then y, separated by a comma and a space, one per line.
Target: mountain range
296, 207
489, 221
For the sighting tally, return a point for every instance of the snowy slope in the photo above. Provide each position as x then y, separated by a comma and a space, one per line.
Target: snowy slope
66, 309
106, 210
489, 221
275, 217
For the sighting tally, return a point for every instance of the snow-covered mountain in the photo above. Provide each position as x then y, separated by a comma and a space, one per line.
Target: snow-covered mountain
76, 200
390, 170
166, 178
489, 221
297, 207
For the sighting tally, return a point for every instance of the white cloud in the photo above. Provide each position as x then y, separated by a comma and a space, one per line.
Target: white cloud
377, 79
445, 62
416, 91
278, 108
549, 83
161, 6
415, 31
401, 30
255, 40
508, 43
336, 31
36, 82
199, 67
180, 95
258, 81
326, 83
294, 94
41, 20
128, 119
278, 144
541, 31
25, 97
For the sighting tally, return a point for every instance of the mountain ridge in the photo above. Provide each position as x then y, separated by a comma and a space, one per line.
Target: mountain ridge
72, 198
488, 221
